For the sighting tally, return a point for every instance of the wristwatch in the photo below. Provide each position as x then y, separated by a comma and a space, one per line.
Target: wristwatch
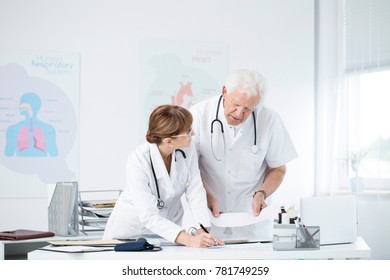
262, 191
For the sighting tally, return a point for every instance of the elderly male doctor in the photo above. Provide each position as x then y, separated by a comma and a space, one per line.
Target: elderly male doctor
243, 148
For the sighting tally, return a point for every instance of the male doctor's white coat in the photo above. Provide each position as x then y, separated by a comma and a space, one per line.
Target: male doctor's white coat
241, 172
136, 212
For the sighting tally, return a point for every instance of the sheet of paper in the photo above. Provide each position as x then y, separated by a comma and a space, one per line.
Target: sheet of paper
97, 242
239, 219
75, 249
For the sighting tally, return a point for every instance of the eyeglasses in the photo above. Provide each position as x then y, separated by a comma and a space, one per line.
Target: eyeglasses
189, 134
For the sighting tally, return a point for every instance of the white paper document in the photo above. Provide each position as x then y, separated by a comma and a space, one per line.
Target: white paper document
239, 219
76, 249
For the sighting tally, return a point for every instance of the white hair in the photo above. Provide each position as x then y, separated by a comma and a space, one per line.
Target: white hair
250, 81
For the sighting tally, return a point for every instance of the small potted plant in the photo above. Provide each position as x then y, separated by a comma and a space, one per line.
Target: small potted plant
354, 160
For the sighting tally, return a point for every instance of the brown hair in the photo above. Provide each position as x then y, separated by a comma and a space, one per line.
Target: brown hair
167, 121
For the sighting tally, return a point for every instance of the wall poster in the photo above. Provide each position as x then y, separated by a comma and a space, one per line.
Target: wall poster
39, 121
181, 72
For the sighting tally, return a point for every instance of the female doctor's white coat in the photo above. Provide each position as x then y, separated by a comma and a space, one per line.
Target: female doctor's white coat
136, 212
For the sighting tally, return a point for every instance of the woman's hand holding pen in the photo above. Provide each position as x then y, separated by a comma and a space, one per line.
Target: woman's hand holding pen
204, 240
217, 242
201, 239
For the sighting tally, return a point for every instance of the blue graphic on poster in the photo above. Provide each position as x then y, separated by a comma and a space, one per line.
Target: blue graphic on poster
181, 72
39, 101
30, 137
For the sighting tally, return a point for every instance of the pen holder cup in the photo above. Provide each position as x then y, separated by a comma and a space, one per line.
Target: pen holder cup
308, 237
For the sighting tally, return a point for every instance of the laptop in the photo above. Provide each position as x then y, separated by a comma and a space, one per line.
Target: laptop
336, 216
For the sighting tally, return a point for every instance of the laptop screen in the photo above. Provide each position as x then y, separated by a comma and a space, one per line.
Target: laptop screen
336, 216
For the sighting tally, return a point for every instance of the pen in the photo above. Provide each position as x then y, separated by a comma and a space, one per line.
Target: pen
205, 230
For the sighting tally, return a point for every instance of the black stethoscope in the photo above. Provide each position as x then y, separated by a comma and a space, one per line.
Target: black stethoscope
254, 148
160, 202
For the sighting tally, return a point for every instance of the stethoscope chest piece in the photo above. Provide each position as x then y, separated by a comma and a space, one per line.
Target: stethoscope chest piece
160, 204
254, 149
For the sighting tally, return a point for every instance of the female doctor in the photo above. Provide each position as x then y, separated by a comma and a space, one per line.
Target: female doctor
159, 172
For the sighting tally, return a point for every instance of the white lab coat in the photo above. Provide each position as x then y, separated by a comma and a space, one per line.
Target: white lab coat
235, 178
136, 212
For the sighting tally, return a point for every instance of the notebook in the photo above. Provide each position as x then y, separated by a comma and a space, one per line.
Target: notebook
336, 216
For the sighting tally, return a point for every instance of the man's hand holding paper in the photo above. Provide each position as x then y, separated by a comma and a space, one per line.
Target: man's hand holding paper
239, 219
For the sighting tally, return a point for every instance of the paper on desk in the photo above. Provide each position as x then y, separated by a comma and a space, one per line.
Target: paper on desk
239, 219
97, 242
75, 249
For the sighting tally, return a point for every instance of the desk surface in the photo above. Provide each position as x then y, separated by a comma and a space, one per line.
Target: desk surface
357, 250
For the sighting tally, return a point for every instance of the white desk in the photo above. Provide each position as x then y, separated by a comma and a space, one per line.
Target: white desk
357, 250
18, 249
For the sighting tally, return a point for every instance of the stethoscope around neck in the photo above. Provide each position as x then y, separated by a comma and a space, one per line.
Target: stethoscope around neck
254, 148
160, 202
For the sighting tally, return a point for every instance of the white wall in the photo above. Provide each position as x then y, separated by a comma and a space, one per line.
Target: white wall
274, 37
